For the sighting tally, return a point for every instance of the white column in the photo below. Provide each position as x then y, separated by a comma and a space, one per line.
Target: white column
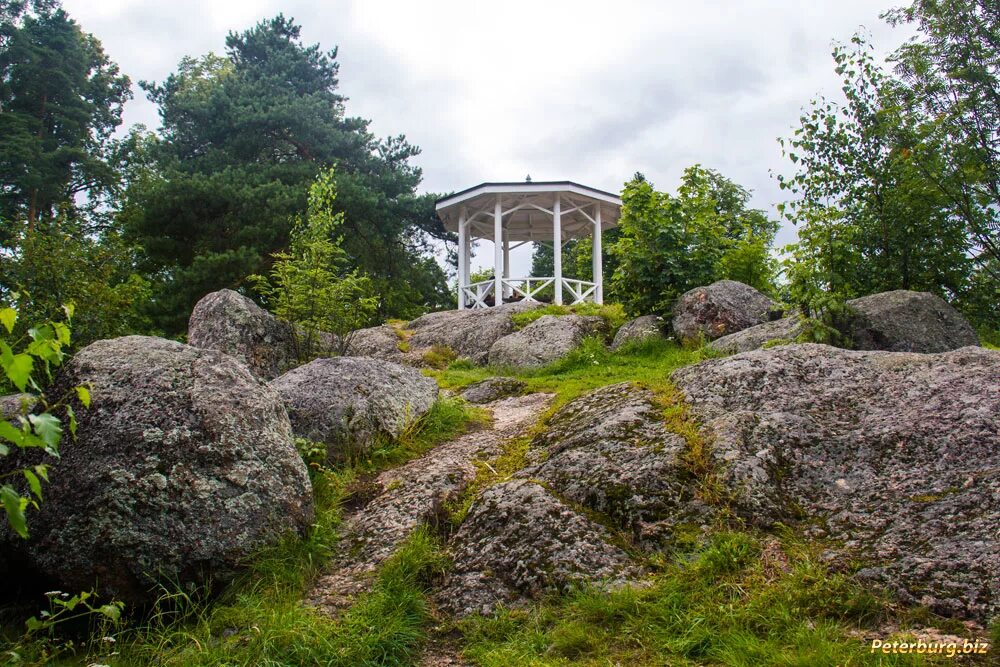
498, 253
506, 262
467, 272
597, 259
557, 249
462, 258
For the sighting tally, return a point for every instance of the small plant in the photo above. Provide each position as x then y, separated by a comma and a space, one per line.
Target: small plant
439, 356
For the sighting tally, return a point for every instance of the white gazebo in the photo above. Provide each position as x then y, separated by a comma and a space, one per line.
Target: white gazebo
513, 214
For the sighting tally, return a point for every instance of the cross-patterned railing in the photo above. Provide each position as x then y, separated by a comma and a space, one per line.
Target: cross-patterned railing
528, 289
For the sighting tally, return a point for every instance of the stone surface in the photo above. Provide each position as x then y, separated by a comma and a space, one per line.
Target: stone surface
493, 388
641, 328
381, 342
348, 403
753, 338
470, 333
545, 340
413, 495
519, 541
897, 454
229, 322
183, 467
722, 308
10, 405
905, 321
610, 451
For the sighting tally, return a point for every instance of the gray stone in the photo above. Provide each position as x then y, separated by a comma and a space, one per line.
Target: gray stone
183, 467
229, 322
641, 328
545, 340
519, 541
896, 453
610, 451
724, 307
348, 403
470, 333
905, 321
493, 388
381, 342
753, 338
10, 405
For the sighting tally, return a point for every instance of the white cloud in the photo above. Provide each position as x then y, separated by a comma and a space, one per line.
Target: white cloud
587, 91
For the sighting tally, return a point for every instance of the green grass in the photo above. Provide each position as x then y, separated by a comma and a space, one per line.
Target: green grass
727, 604
612, 313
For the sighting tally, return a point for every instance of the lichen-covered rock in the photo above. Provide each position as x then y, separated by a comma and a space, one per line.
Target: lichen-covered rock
348, 403
229, 322
183, 467
611, 452
753, 338
10, 405
381, 342
641, 328
905, 321
722, 308
470, 333
545, 340
493, 388
519, 541
896, 453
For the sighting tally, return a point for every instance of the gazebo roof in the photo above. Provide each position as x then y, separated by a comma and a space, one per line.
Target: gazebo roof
527, 209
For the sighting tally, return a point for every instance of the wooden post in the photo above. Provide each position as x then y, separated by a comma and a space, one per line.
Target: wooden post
506, 263
557, 249
497, 253
597, 260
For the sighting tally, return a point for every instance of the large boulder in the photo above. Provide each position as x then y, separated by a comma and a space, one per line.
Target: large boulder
753, 338
229, 322
471, 333
545, 340
639, 329
183, 467
493, 388
519, 541
349, 403
610, 451
894, 454
724, 307
905, 321
381, 342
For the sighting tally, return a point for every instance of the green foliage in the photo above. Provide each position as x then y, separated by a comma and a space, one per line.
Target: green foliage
309, 285
670, 244
613, 313
61, 100
869, 217
54, 262
243, 136
726, 604
27, 363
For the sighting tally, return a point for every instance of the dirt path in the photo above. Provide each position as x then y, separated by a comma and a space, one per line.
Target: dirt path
412, 495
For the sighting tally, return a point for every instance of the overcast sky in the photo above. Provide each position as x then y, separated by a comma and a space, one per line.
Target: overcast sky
584, 91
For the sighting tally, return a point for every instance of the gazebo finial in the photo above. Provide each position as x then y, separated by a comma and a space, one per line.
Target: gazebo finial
527, 179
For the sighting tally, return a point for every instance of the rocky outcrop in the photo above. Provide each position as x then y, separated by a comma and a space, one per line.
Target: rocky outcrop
229, 322
381, 342
753, 338
183, 466
719, 309
470, 333
348, 403
905, 321
895, 453
639, 329
519, 541
493, 388
611, 452
545, 340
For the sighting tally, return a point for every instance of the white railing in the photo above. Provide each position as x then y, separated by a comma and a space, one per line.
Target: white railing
528, 288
